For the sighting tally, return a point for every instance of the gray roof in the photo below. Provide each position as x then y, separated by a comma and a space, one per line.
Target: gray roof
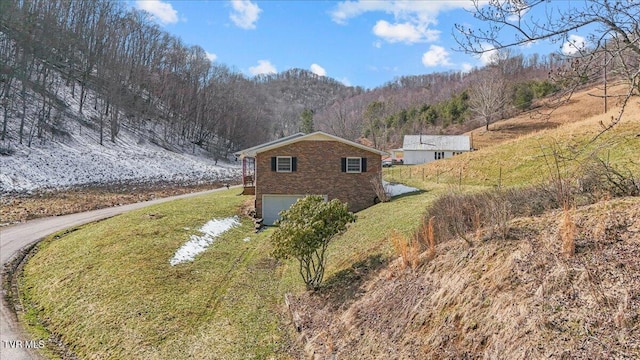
258, 147
253, 151
437, 142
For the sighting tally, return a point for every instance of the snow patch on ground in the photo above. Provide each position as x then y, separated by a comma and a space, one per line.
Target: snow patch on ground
197, 244
394, 189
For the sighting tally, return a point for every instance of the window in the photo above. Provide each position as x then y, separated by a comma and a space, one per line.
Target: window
283, 163
354, 165
438, 155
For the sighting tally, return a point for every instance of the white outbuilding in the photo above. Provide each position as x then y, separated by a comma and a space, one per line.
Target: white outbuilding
421, 149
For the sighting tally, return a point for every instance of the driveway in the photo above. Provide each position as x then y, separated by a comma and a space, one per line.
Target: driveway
15, 344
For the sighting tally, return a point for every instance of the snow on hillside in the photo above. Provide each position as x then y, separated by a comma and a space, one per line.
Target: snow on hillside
82, 162
78, 159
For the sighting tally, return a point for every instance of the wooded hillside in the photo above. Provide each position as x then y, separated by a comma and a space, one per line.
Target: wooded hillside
131, 73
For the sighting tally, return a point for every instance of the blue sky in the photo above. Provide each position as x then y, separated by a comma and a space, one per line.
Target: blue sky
360, 43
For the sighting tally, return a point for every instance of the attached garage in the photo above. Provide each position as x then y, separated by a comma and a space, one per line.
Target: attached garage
272, 205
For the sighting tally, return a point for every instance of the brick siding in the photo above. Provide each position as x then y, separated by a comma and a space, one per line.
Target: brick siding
319, 172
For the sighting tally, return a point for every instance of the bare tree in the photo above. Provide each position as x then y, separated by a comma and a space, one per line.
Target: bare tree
373, 121
488, 95
339, 119
613, 44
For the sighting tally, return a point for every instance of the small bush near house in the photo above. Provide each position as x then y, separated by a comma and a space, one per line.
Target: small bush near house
305, 231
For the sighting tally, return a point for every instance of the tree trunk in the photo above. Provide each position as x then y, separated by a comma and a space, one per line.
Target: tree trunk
24, 110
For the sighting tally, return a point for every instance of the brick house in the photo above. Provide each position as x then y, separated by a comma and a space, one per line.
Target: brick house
280, 172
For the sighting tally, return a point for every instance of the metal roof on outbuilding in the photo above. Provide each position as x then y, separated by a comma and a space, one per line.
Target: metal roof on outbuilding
437, 142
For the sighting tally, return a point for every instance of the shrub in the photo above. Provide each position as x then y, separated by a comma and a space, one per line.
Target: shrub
304, 233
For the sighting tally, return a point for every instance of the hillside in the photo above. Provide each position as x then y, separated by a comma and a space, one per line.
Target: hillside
74, 157
511, 290
517, 298
515, 295
551, 113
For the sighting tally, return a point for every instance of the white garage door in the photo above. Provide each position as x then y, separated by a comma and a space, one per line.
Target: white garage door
273, 204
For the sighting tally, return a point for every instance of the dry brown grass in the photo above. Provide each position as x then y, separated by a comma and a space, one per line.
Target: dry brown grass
430, 237
407, 248
582, 105
516, 299
568, 232
20, 208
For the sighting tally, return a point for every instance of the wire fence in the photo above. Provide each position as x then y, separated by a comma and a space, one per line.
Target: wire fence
459, 175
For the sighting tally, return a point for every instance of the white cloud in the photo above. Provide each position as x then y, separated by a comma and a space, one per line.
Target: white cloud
345, 81
162, 11
245, 13
350, 9
318, 70
528, 44
404, 32
413, 21
263, 67
211, 56
574, 44
466, 67
436, 56
519, 10
489, 56
422, 11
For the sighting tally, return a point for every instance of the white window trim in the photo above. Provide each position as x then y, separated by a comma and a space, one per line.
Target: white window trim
278, 164
359, 165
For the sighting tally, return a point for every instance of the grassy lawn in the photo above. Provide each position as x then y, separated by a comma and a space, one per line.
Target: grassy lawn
108, 290
530, 159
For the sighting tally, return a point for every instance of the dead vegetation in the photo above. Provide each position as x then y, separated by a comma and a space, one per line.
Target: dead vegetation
582, 105
516, 299
23, 207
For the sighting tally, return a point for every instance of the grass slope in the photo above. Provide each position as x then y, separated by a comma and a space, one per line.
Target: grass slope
108, 291
529, 158
502, 299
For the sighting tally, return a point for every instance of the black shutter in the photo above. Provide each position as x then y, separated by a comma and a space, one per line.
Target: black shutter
294, 164
273, 163
364, 164
343, 163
